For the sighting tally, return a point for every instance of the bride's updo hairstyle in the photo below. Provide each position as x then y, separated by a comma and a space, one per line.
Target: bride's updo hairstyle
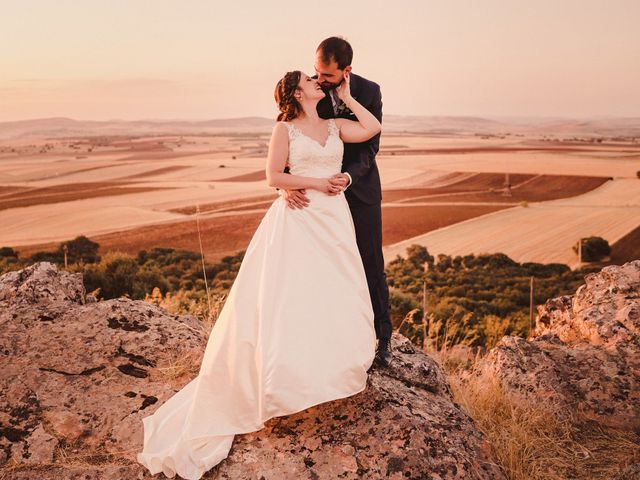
288, 104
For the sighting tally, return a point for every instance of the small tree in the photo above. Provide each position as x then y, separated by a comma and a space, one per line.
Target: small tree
79, 249
120, 275
115, 275
594, 249
419, 255
8, 252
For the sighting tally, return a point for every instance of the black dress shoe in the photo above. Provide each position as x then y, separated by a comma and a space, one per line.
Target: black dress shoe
383, 356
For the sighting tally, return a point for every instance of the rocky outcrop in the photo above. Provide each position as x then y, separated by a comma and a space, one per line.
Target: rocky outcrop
584, 354
79, 375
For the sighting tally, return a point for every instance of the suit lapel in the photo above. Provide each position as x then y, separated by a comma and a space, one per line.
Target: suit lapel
325, 107
354, 86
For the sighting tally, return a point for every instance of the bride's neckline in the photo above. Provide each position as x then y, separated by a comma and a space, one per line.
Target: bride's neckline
313, 139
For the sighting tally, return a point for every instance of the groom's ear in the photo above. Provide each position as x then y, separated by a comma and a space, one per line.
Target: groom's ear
347, 69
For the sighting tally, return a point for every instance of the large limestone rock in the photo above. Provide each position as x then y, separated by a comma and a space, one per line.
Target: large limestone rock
76, 373
585, 351
78, 376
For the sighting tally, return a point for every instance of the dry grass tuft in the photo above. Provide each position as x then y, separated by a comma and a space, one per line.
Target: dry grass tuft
184, 303
182, 362
68, 457
538, 439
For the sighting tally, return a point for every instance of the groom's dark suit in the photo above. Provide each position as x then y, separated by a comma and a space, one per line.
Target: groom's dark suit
364, 196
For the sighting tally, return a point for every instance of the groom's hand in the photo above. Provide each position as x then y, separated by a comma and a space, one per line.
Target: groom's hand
295, 198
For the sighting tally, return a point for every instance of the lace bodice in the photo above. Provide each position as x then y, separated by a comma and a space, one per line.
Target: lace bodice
309, 158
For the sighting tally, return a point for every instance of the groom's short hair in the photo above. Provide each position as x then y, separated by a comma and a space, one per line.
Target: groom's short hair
336, 49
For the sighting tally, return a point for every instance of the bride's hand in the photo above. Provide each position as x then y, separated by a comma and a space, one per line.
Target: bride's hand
325, 186
340, 179
344, 89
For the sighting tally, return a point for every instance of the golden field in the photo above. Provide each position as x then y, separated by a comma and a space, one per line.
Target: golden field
443, 184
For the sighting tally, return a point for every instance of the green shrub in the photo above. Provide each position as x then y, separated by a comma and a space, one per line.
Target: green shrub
8, 252
594, 249
466, 292
401, 304
80, 249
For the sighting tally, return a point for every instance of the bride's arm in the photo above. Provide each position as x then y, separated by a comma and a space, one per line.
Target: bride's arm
277, 159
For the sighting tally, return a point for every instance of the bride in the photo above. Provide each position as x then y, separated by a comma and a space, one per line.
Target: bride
297, 327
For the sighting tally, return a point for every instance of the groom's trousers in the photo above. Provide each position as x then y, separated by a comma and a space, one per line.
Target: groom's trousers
367, 220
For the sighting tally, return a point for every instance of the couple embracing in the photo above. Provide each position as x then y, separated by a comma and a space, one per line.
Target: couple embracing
308, 313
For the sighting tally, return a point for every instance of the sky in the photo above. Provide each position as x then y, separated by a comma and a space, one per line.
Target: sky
197, 59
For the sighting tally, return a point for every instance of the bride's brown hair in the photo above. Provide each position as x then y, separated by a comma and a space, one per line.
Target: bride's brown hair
288, 104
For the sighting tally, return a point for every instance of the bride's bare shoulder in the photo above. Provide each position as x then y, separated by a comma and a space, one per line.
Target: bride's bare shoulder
280, 133
280, 127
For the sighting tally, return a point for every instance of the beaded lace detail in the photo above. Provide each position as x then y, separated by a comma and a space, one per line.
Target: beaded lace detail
309, 158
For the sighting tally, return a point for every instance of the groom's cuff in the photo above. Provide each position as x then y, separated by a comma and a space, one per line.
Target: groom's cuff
348, 184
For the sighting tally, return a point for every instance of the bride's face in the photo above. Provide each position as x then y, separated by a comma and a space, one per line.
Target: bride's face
310, 88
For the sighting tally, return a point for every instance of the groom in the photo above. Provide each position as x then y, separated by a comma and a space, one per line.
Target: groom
360, 177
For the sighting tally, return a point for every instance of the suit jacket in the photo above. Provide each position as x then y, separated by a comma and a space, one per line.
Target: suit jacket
359, 159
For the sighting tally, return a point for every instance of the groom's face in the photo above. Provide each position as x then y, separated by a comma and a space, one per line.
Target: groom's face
328, 74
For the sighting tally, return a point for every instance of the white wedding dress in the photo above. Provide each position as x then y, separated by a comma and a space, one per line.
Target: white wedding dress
296, 329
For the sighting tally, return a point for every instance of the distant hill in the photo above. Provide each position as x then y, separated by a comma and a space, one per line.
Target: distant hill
67, 127
432, 125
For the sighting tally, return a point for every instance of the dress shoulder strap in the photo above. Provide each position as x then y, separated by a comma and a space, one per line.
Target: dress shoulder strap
333, 126
293, 131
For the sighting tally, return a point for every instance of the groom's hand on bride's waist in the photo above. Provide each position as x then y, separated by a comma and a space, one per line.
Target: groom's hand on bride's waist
295, 198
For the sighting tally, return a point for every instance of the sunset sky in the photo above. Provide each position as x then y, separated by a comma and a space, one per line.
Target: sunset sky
196, 59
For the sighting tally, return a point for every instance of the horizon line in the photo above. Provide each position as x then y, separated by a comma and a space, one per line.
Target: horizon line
480, 116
